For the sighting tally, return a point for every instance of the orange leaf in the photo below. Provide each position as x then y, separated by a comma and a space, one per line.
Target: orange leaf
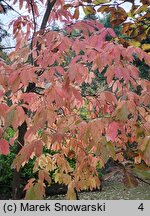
103, 9
66, 6
29, 184
44, 175
76, 13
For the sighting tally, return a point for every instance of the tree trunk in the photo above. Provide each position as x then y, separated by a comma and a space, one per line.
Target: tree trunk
16, 174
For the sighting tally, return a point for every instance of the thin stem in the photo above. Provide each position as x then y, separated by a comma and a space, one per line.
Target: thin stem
11, 47
9, 6
34, 31
33, 15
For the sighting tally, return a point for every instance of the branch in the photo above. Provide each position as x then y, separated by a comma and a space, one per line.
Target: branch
142, 180
33, 15
9, 6
100, 4
34, 31
2, 48
47, 13
43, 25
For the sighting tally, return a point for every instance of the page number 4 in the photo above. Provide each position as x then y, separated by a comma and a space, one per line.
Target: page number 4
141, 207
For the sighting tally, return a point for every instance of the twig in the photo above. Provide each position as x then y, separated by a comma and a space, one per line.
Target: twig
33, 15
11, 47
142, 180
100, 4
34, 31
12, 8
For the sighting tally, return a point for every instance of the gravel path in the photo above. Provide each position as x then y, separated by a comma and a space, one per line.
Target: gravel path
114, 189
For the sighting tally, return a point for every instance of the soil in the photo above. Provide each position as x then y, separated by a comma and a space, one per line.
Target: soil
113, 189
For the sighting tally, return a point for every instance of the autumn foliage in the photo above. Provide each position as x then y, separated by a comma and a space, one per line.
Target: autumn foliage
57, 64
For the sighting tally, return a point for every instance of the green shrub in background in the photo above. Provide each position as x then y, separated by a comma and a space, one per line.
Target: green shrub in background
26, 172
6, 172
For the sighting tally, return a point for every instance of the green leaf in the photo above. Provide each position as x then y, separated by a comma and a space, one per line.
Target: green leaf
10, 117
122, 112
111, 149
145, 148
144, 174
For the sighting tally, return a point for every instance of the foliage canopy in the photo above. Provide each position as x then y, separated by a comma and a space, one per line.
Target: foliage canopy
40, 95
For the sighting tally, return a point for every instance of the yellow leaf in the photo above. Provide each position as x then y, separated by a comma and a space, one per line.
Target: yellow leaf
146, 47
130, 14
143, 36
88, 10
134, 43
58, 178
143, 8
94, 182
97, 2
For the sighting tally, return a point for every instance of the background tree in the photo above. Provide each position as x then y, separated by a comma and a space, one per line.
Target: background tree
3, 32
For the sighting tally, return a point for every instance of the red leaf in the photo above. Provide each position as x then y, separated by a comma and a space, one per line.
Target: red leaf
77, 94
29, 97
111, 32
3, 109
110, 74
134, 72
4, 147
11, 141
108, 97
1, 93
60, 91
112, 131
1, 132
